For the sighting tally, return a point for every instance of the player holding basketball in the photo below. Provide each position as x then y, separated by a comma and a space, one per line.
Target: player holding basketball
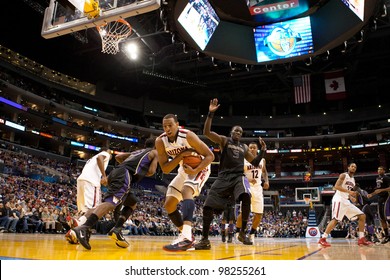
133, 167
342, 206
172, 145
89, 194
382, 191
231, 181
255, 175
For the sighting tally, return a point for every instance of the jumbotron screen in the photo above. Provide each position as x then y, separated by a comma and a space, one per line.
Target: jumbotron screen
200, 20
356, 6
283, 40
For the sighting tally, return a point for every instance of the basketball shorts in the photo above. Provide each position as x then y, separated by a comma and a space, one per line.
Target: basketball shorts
341, 208
257, 199
225, 187
195, 182
88, 196
119, 188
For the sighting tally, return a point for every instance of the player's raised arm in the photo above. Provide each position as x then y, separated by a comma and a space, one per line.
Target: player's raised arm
213, 136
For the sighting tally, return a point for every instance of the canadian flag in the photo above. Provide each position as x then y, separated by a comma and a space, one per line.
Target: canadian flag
335, 85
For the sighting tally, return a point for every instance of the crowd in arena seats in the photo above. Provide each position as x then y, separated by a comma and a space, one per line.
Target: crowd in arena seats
18, 163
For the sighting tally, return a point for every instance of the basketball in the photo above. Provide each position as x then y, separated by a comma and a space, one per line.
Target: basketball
192, 161
92, 9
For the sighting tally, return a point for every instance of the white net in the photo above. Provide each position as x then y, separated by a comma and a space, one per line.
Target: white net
112, 34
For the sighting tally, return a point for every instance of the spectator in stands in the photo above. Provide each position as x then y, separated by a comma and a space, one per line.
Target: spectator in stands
37, 223
48, 221
55, 215
4, 216
152, 226
13, 217
62, 219
105, 224
23, 219
131, 227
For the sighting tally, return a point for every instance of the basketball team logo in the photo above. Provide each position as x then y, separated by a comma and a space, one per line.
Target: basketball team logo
282, 40
313, 231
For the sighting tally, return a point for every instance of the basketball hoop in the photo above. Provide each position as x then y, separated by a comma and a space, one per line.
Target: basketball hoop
307, 199
112, 33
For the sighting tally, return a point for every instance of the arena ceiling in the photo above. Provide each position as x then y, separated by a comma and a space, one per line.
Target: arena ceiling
183, 69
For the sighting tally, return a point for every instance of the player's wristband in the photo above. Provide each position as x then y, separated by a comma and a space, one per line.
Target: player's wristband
210, 115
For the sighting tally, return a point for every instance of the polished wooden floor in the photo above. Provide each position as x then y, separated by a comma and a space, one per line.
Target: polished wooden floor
54, 247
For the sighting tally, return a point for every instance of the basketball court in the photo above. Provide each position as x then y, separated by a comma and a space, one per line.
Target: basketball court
54, 247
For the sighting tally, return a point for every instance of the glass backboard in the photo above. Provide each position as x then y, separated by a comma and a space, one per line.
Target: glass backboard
64, 17
312, 192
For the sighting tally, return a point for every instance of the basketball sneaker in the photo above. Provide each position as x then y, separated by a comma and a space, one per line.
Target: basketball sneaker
373, 239
83, 234
385, 240
180, 244
71, 237
364, 242
242, 237
323, 242
116, 235
203, 244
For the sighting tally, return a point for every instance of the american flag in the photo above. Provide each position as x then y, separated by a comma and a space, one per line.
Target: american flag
302, 89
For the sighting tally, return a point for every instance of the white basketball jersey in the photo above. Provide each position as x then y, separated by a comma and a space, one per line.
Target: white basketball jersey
254, 172
348, 184
91, 171
180, 144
